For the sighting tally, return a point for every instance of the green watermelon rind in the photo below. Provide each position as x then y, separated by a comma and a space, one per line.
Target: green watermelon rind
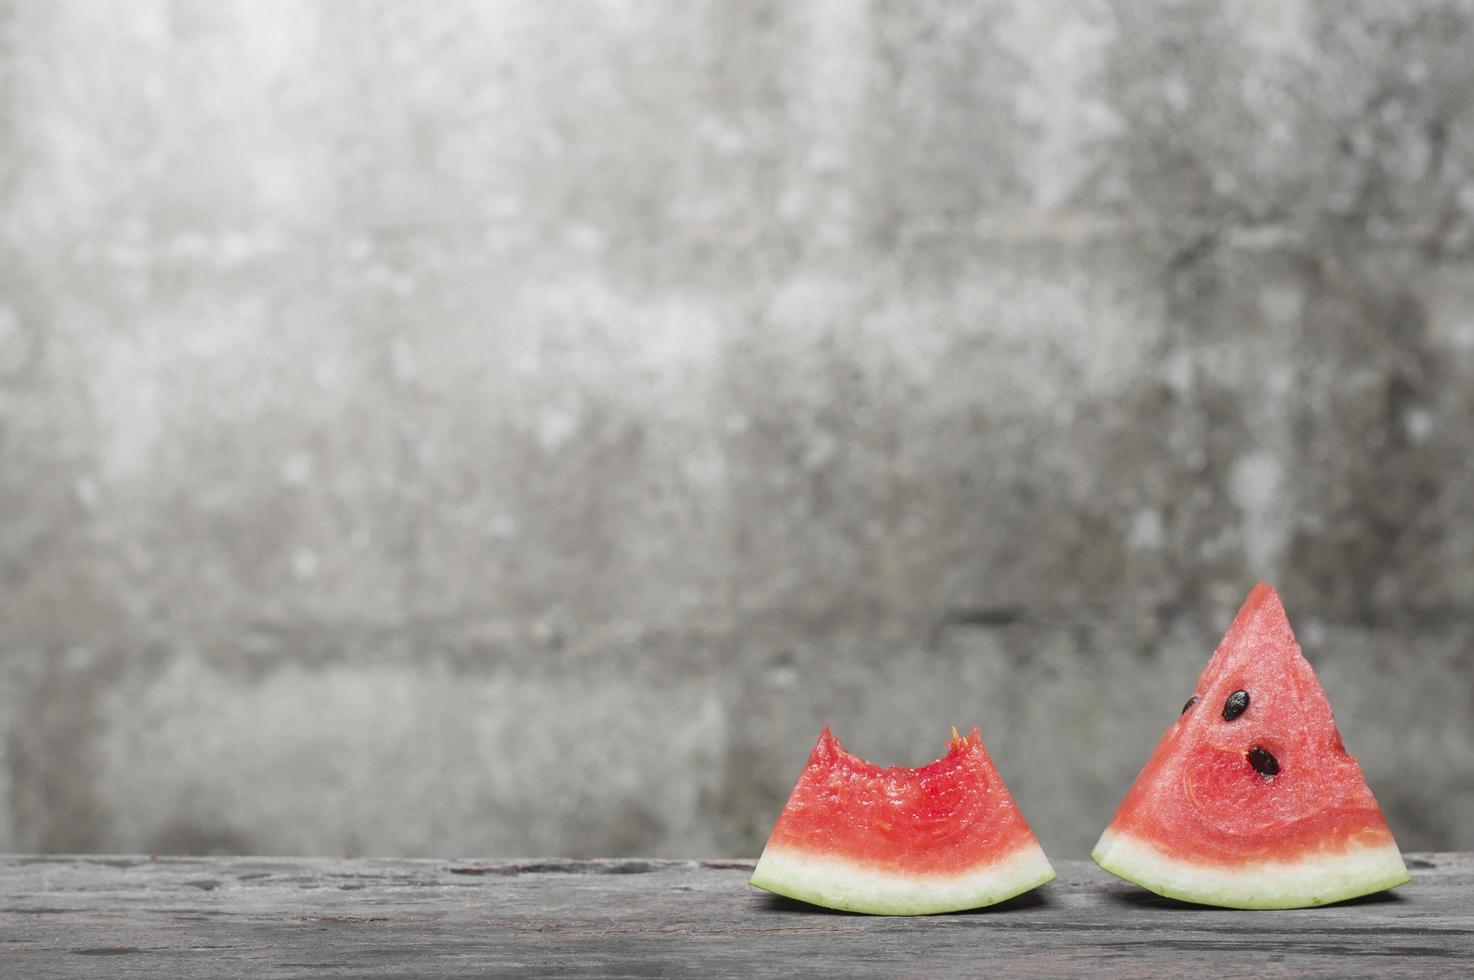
1316, 879
835, 883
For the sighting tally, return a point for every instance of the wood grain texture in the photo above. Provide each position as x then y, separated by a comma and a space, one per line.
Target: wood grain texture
284, 917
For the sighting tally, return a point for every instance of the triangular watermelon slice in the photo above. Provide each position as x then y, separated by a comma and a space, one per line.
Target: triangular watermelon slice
940, 838
1250, 799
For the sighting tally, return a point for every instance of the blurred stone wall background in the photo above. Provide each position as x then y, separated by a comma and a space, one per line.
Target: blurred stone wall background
515, 428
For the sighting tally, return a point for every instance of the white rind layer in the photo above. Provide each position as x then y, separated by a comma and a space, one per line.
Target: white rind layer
839, 884
1314, 880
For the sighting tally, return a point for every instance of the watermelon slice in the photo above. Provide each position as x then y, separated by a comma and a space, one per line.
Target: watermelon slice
940, 838
1250, 799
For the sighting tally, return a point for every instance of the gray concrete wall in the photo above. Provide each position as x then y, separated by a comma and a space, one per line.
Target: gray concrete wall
516, 428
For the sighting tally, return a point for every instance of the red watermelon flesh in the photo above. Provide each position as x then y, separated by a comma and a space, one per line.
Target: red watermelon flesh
938, 838
1254, 803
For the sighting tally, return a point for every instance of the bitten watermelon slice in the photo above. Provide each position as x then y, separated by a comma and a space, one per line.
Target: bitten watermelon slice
940, 838
1250, 799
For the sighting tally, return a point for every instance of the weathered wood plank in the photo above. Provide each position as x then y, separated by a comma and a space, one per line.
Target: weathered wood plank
283, 917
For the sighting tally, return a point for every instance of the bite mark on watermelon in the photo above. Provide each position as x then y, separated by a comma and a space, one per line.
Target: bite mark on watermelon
942, 837
1254, 808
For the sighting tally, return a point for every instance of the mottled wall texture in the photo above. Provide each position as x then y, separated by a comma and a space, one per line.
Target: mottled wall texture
514, 428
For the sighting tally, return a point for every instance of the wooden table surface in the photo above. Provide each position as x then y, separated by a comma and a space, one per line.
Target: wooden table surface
279, 917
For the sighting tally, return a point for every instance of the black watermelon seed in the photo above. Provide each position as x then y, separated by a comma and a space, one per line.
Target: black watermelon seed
1264, 763
1190, 702
1237, 704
